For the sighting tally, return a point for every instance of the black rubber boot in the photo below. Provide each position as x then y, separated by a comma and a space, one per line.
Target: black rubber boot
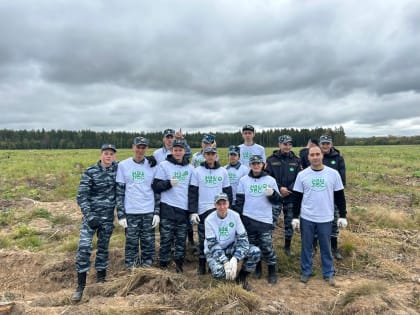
191, 242
242, 279
258, 270
287, 249
201, 266
179, 265
81, 283
334, 249
272, 276
163, 264
100, 276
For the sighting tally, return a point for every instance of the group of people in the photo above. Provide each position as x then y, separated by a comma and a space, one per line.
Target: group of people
235, 207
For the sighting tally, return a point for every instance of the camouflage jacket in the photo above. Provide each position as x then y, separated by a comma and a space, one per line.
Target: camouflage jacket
238, 249
96, 193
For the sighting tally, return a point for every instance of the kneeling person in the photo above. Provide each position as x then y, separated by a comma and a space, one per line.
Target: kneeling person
226, 243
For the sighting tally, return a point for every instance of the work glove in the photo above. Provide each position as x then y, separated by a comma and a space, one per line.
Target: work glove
342, 223
233, 267
228, 269
269, 191
93, 221
155, 221
174, 182
123, 222
194, 218
295, 224
152, 160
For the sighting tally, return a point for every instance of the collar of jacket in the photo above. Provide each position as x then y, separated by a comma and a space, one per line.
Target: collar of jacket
171, 159
216, 165
262, 174
236, 166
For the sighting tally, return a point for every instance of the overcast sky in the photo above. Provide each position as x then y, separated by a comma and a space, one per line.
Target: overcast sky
211, 65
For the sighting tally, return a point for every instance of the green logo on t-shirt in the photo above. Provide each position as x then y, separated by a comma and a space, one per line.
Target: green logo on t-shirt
233, 178
231, 224
257, 189
223, 232
318, 184
212, 181
138, 176
181, 176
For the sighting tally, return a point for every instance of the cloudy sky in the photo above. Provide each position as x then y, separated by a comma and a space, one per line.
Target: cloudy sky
210, 65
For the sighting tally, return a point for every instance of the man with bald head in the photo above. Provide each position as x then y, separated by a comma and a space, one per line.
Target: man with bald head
317, 189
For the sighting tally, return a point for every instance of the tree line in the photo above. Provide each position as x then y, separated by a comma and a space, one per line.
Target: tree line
88, 139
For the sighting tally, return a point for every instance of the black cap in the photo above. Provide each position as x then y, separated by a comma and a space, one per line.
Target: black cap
108, 146
248, 127
220, 196
208, 138
256, 159
233, 149
141, 141
168, 132
285, 139
210, 150
325, 138
178, 143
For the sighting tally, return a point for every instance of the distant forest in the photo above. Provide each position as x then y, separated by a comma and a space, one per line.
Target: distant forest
87, 139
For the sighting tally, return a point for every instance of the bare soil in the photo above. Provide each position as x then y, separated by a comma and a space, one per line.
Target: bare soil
380, 276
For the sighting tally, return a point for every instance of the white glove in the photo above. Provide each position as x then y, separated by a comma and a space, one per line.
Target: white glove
174, 182
155, 221
233, 267
295, 224
194, 218
342, 223
123, 222
228, 269
269, 191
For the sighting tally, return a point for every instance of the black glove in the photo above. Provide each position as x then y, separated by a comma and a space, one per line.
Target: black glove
152, 160
93, 221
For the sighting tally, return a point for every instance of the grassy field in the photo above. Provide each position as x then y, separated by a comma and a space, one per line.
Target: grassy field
39, 224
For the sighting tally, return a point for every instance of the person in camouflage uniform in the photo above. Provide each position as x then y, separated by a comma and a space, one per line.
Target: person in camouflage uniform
136, 205
226, 243
96, 198
172, 182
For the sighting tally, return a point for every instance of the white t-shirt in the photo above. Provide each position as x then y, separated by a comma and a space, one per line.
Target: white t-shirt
197, 159
224, 230
234, 176
210, 182
318, 193
161, 154
138, 178
249, 150
177, 196
256, 205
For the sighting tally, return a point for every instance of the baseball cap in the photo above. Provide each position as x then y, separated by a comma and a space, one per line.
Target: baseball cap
233, 149
285, 139
210, 150
140, 140
208, 138
178, 143
168, 132
109, 146
248, 127
220, 196
325, 138
256, 159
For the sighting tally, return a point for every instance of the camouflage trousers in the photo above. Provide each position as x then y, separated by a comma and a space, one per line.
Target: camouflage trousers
172, 233
252, 257
139, 232
288, 217
264, 241
201, 233
84, 249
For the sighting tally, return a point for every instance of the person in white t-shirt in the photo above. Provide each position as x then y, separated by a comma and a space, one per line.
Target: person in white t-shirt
172, 181
136, 205
249, 147
226, 244
236, 170
207, 180
257, 192
317, 189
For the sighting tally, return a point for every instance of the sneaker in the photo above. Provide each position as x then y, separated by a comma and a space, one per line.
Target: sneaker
304, 278
336, 254
330, 280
